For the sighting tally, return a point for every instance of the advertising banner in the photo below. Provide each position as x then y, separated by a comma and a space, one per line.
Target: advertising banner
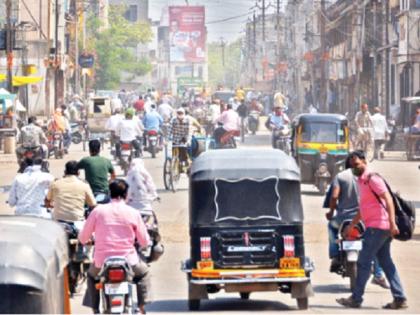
187, 33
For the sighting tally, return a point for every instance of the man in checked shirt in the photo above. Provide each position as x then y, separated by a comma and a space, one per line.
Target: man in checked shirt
180, 133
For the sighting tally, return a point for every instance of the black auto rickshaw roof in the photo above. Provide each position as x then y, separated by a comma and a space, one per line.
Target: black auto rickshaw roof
331, 118
235, 164
32, 250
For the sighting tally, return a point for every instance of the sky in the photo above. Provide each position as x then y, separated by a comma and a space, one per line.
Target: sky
216, 10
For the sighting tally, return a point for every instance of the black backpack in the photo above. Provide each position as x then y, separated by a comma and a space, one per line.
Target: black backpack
405, 213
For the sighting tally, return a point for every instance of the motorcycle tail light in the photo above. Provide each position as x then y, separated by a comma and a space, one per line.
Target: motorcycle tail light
152, 133
29, 154
116, 302
289, 245
354, 234
116, 275
205, 248
126, 146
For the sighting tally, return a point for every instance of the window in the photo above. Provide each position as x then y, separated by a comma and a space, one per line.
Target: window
131, 13
323, 133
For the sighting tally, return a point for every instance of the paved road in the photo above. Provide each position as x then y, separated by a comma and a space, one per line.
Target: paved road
169, 283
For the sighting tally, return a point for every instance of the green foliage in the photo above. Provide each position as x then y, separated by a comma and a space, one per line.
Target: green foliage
114, 47
229, 74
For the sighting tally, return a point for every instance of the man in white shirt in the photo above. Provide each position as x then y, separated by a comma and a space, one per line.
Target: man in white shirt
29, 189
128, 130
380, 128
166, 111
112, 124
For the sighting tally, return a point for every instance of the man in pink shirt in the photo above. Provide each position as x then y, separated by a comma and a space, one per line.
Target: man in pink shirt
116, 227
231, 125
378, 215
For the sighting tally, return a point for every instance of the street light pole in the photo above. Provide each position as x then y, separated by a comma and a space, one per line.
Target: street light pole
9, 45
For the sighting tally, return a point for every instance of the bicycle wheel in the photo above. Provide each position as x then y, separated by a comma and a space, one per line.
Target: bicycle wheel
175, 173
369, 150
167, 174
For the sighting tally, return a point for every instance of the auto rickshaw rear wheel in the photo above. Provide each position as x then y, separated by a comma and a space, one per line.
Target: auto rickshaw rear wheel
245, 295
302, 303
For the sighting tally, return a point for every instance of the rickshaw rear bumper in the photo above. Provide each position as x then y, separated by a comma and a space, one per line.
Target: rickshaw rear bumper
246, 280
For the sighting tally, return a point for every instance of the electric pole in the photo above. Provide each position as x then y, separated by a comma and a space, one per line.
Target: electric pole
9, 45
277, 81
254, 45
323, 90
222, 46
56, 64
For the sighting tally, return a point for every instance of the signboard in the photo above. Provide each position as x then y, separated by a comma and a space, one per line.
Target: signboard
185, 83
187, 33
86, 60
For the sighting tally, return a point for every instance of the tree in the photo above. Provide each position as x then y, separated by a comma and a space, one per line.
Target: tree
115, 47
229, 74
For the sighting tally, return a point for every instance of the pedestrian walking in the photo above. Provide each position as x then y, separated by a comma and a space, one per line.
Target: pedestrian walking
380, 229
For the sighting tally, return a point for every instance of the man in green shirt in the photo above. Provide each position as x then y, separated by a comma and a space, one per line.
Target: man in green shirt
97, 169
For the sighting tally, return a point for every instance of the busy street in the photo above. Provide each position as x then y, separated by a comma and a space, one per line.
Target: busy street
220, 156
169, 284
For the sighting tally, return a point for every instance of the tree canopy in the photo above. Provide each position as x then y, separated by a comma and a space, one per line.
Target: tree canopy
115, 47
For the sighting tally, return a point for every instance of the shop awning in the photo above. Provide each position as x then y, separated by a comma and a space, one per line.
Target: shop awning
21, 80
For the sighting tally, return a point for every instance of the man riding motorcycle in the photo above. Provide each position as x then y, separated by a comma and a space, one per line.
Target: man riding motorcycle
97, 168
128, 130
68, 196
32, 138
116, 227
278, 121
231, 126
152, 120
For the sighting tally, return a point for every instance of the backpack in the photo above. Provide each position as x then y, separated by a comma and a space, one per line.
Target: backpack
405, 213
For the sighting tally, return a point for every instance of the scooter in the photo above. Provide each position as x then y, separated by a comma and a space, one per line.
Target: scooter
32, 153
349, 248
281, 139
253, 121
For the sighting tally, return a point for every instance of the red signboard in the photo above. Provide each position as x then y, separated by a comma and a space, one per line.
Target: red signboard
187, 33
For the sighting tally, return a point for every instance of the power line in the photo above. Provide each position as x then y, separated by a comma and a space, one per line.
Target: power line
227, 19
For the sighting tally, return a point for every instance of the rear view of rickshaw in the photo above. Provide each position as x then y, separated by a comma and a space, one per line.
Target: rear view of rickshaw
33, 262
246, 226
320, 147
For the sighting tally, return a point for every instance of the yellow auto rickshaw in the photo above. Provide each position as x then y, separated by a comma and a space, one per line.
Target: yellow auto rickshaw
320, 147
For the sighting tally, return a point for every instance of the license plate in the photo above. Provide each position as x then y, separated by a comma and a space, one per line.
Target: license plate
126, 153
352, 245
234, 249
323, 156
290, 263
116, 288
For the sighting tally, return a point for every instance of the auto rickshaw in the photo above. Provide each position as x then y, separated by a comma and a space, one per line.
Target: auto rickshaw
99, 111
409, 105
320, 145
246, 226
33, 266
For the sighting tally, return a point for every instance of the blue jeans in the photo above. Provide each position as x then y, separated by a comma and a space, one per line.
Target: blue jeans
376, 243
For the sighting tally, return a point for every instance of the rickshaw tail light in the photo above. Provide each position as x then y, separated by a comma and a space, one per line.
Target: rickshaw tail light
205, 248
115, 275
116, 302
289, 245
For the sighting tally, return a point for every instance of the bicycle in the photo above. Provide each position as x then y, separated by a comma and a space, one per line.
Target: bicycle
365, 142
176, 164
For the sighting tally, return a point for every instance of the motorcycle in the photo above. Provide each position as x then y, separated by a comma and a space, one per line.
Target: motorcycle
155, 249
153, 142
349, 248
117, 289
77, 132
126, 155
281, 139
225, 139
55, 145
253, 121
79, 256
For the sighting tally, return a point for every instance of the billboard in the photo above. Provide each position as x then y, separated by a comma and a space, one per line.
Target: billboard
187, 33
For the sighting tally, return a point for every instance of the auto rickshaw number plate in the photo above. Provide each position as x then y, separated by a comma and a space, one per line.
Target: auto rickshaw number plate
290, 263
116, 288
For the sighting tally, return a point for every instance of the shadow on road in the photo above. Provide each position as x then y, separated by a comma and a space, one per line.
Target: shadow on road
219, 304
331, 288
